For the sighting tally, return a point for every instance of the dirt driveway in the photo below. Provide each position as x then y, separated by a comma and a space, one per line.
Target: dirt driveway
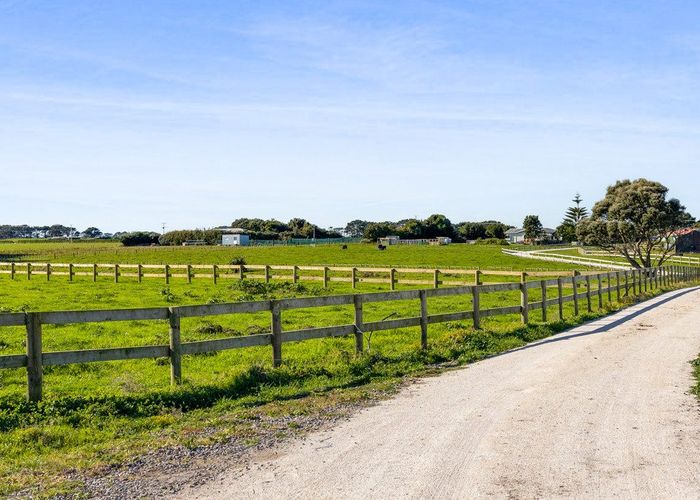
599, 411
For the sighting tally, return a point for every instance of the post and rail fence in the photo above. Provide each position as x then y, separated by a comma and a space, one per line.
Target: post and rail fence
392, 276
621, 283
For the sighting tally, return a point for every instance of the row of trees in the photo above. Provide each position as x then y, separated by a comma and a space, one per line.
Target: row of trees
8, 231
272, 229
434, 226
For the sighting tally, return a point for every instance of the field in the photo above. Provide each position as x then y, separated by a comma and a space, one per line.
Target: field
451, 256
100, 413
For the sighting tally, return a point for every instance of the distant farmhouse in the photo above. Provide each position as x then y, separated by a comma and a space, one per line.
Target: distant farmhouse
517, 235
688, 240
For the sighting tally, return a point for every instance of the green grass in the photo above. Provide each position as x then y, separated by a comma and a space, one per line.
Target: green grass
455, 255
102, 413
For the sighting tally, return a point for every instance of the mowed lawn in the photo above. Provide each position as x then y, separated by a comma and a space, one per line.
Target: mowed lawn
101, 413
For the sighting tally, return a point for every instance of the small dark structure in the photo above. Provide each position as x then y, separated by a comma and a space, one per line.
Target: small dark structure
688, 240
381, 247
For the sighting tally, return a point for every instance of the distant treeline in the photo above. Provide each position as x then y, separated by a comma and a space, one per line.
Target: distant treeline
26, 231
257, 229
434, 226
272, 229
8, 231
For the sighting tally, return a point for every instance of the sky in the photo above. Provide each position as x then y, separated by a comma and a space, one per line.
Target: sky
128, 114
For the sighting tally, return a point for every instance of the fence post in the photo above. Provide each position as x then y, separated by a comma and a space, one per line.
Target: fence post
354, 277
167, 273
609, 286
325, 277
359, 342
627, 283
70, 272
139, 272
175, 347
34, 367
600, 291
214, 272
267, 274
573, 282
476, 307
477, 277
543, 286
645, 278
48, 271
524, 316
189, 273
617, 282
276, 333
116, 273
423, 319
94, 273
392, 279
295, 274
560, 298
29, 271
12, 270
588, 293
436, 278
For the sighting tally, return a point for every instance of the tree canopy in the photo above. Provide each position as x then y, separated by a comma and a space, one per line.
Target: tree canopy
533, 228
635, 220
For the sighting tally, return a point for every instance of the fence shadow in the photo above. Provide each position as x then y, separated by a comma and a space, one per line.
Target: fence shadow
596, 327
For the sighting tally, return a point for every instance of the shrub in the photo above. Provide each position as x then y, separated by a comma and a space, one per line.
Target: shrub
139, 238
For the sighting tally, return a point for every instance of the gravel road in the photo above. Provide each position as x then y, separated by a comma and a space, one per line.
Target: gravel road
602, 410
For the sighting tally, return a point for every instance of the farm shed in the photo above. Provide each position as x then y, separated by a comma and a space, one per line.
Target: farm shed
235, 240
388, 240
688, 240
440, 240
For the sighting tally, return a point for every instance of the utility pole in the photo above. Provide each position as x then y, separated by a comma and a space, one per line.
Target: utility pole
163, 225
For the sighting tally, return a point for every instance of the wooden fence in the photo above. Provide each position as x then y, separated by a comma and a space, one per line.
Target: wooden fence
391, 276
617, 282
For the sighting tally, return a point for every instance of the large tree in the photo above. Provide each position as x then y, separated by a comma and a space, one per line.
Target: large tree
577, 213
573, 216
438, 225
533, 228
637, 221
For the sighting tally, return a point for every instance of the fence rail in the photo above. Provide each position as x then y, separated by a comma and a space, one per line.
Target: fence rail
354, 275
617, 282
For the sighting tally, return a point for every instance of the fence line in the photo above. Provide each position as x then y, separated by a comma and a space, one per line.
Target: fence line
326, 274
550, 256
625, 282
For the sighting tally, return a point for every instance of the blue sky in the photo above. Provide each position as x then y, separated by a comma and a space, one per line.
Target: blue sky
128, 114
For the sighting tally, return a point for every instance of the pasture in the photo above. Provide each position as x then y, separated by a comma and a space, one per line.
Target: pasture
100, 413
455, 255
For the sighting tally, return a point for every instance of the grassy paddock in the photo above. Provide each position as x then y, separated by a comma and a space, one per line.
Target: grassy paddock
455, 255
103, 413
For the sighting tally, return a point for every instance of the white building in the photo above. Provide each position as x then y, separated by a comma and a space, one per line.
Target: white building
235, 240
517, 235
